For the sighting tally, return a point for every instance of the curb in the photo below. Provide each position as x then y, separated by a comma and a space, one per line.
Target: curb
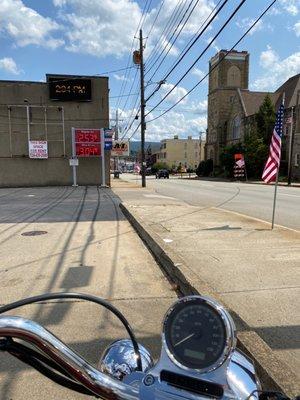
273, 374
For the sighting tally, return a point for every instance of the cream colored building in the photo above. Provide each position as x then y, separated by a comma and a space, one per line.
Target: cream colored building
181, 152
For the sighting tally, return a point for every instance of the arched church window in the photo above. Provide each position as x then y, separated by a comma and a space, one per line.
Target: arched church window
236, 127
234, 76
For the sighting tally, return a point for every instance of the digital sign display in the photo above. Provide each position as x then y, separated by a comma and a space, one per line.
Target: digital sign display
87, 149
87, 142
83, 136
69, 89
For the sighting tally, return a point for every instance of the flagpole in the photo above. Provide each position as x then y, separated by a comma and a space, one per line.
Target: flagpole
277, 177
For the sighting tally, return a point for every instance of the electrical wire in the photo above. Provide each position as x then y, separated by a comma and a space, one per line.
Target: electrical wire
166, 29
215, 66
123, 86
191, 45
167, 40
201, 54
154, 21
176, 37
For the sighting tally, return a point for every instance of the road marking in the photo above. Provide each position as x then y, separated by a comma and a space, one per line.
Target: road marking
285, 194
159, 196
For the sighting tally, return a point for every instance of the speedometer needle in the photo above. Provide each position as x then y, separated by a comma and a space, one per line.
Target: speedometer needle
183, 340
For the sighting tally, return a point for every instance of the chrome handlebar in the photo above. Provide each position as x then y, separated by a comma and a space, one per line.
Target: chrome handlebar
77, 367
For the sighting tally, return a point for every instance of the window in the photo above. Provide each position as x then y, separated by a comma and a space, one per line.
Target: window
236, 127
165, 155
297, 159
185, 146
185, 155
196, 145
234, 76
165, 145
196, 154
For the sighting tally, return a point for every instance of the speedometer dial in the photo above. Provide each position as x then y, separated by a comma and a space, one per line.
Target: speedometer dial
196, 333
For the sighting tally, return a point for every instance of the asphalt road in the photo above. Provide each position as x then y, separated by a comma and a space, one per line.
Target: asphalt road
249, 199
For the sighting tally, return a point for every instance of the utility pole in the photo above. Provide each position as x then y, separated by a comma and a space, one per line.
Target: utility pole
143, 106
116, 161
291, 145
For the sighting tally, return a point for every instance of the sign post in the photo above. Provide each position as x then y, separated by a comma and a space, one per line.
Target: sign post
74, 157
102, 156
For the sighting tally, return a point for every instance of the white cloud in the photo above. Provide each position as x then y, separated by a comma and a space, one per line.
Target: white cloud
100, 28
9, 65
297, 28
175, 95
290, 6
175, 123
245, 24
107, 27
198, 72
184, 120
25, 26
277, 71
268, 58
120, 77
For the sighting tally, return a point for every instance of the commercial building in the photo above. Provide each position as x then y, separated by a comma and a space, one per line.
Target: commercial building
186, 153
46, 112
232, 107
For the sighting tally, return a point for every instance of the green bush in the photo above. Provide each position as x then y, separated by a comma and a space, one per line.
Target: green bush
160, 165
205, 168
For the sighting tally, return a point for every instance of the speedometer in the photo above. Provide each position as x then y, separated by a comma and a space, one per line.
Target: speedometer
198, 333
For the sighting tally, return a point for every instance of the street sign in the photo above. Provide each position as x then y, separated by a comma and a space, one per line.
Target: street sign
74, 162
108, 138
38, 149
120, 148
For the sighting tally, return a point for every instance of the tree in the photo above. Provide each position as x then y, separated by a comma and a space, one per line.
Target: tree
205, 168
227, 157
160, 165
265, 120
256, 154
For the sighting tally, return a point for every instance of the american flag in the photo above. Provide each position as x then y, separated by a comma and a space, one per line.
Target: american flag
272, 165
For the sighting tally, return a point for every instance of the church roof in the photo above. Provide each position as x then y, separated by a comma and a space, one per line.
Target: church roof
290, 88
251, 101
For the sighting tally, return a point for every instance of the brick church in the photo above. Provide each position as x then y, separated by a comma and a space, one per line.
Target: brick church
232, 106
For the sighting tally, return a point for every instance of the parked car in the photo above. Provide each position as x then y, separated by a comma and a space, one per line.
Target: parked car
162, 173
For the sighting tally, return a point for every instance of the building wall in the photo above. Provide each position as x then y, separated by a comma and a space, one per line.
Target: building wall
184, 152
16, 168
224, 79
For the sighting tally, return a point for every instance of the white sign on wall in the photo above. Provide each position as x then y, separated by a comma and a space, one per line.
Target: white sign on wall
38, 149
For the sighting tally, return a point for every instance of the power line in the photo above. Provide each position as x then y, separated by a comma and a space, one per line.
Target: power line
176, 37
201, 54
192, 44
154, 21
123, 95
215, 66
166, 29
167, 40
124, 83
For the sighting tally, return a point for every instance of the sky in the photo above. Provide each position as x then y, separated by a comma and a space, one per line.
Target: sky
97, 37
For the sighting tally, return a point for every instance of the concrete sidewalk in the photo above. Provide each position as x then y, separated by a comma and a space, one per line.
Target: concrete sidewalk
87, 246
252, 270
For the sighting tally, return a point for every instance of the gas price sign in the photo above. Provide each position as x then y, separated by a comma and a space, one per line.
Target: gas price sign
87, 142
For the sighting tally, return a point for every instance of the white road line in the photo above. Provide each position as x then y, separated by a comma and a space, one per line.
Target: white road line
285, 194
159, 196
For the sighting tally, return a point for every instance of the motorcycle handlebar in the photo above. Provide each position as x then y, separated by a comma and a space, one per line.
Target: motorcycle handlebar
77, 367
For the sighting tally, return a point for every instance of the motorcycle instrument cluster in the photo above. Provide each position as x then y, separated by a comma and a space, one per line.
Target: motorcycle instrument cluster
198, 333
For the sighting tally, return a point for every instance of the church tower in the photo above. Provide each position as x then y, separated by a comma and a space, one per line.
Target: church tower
225, 78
